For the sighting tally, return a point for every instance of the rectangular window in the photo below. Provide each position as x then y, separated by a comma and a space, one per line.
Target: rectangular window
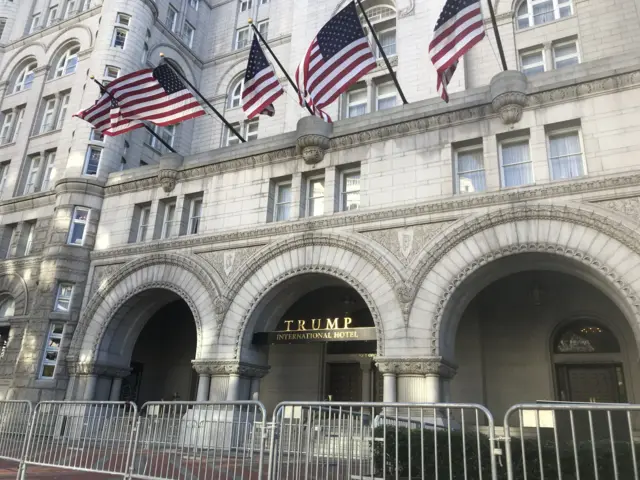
168, 220
32, 174
565, 154
356, 103
52, 350
78, 228
143, 226
35, 22
49, 171
71, 7
194, 4
92, 160
123, 19
388, 41
8, 237
3, 24
26, 241
7, 126
145, 54
517, 168
532, 62
263, 28
242, 38
195, 215
48, 115
251, 130
315, 196
4, 171
231, 138
111, 73
96, 136
283, 201
53, 15
386, 96
188, 34
172, 18
168, 134
19, 121
565, 54
62, 112
63, 298
246, 5
350, 190
469, 166
119, 37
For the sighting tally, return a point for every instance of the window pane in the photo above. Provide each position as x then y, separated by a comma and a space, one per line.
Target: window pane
543, 12
517, 169
565, 156
316, 197
351, 191
565, 50
77, 233
471, 172
284, 193
388, 42
47, 370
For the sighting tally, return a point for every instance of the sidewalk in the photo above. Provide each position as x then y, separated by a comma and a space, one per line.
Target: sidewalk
46, 473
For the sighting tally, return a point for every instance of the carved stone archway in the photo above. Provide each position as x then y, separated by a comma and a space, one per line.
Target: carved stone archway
14, 285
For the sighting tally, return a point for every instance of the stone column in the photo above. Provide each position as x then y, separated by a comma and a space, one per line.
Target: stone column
116, 386
90, 387
366, 380
233, 393
255, 389
228, 380
418, 379
204, 381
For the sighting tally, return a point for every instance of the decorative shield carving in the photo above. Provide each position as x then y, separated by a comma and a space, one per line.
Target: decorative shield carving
405, 239
229, 259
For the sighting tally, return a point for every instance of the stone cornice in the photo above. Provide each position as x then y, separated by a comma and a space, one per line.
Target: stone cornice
416, 366
384, 130
217, 367
452, 204
84, 369
244, 53
27, 202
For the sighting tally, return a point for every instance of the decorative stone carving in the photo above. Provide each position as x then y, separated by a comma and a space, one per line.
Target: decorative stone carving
509, 95
628, 206
77, 368
229, 258
102, 272
226, 262
408, 10
168, 173
416, 366
229, 367
313, 138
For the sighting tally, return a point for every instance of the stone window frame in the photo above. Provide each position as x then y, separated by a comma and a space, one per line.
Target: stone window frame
35, 23
529, 16
195, 219
75, 221
246, 5
246, 42
309, 198
521, 138
264, 30
52, 16
70, 56
342, 188
55, 335
143, 227
473, 147
530, 52
168, 220
562, 43
57, 305
556, 130
88, 157
172, 20
188, 38
279, 185
24, 79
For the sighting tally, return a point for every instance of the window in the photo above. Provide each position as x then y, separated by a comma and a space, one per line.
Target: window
145, 214
469, 169
123, 19
168, 220
263, 28
119, 37
315, 196
110, 73
35, 22
517, 168
168, 134
245, 5
71, 6
248, 129
53, 15
283, 202
67, 63
3, 24
585, 337
231, 137
264, 2
63, 298
565, 154
4, 171
532, 62
145, 54
356, 103
92, 160
25, 78
32, 174
172, 19
78, 226
537, 12
49, 170
194, 4
85, 5
96, 136
19, 121
48, 116
565, 54
8, 237
188, 33
386, 96
195, 214
52, 350
242, 38
7, 306
235, 99
350, 190
388, 41
26, 242
62, 112
251, 130
7, 125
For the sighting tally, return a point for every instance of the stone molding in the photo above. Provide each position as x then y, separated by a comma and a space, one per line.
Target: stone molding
385, 132
416, 366
80, 185
76, 368
229, 367
453, 204
168, 173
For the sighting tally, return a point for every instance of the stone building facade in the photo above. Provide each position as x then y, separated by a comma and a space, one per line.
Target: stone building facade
490, 243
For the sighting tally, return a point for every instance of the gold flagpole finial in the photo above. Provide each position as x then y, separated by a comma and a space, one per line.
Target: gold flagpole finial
250, 21
92, 77
161, 55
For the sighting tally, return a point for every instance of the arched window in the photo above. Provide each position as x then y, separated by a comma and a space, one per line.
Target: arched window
24, 80
67, 62
383, 20
7, 306
235, 93
585, 337
530, 13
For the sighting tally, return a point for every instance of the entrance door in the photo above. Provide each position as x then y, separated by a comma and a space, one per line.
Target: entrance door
345, 382
591, 383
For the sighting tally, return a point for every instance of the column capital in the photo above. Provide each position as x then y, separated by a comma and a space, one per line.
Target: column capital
416, 366
229, 367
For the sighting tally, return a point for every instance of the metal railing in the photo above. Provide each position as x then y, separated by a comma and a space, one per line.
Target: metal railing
587, 441
15, 418
373, 440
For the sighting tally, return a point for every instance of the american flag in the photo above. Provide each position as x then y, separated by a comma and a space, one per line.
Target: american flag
338, 57
261, 85
155, 95
458, 29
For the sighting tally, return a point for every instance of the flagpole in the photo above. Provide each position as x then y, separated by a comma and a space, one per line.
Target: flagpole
197, 92
149, 129
384, 55
497, 34
273, 55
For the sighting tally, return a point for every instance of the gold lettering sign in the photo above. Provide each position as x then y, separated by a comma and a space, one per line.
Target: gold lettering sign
316, 324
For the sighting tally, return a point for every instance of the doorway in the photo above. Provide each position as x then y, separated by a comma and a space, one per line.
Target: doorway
344, 382
591, 383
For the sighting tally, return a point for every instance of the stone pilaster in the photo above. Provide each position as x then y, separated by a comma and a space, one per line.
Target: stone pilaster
417, 380
228, 380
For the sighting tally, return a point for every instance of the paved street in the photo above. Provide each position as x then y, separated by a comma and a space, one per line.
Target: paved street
9, 471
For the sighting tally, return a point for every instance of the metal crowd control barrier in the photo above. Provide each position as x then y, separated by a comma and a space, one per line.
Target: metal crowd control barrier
358, 441
572, 441
194, 440
87, 436
15, 418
